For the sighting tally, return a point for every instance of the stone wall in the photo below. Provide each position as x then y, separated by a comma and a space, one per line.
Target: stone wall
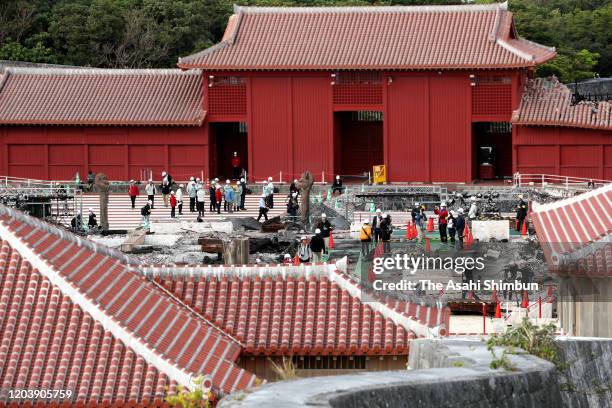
453, 373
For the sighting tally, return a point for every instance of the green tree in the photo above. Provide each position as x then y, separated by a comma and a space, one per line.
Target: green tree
14, 51
571, 65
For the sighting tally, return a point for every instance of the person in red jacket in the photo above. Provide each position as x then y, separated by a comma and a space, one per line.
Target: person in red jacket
133, 192
172, 205
442, 214
218, 198
236, 166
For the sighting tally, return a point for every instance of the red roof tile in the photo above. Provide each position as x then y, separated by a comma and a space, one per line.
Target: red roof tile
62, 96
576, 231
48, 342
285, 310
336, 38
166, 333
548, 102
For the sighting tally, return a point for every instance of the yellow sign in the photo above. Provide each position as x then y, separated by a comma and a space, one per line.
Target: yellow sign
380, 174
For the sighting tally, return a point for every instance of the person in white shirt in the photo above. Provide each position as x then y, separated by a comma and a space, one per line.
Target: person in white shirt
269, 191
191, 192
201, 198
151, 191
179, 198
263, 209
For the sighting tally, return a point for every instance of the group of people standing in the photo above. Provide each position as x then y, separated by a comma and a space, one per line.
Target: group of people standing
451, 224
312, 249
232, 196
380, 229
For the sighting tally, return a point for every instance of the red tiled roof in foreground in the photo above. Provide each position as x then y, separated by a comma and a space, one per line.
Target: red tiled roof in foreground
48, 342
65, 96
548, 102
398, 37
575, 232
305, 310
165, 333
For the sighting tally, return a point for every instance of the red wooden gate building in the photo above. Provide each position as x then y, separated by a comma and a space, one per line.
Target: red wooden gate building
436, 93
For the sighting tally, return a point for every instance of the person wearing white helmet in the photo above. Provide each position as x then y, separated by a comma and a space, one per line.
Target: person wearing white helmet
230, 197
304, 252
376, 220
192, 192
317, 246
414, 211
292, 205
326, 227
133, 192
211, 196
460, 226
224, 190
179, 198
173, 203
293, 187
151, 191
337, 186
442, 214
269, 192
263, 208
451, 228
92, 222
218, 197
385, 232
166, 187
200, 200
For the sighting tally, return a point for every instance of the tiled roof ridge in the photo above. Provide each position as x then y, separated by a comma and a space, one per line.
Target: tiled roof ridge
191, 310
369, 9
120, 332
100, 71
535, 44
251, 271
206, 51
335, 272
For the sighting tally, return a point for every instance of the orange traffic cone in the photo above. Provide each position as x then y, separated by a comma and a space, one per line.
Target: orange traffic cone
467, 233
427, 245
415, 232
525, 302
524, 228
516, 224
430, 225
408, 231
296, 260
331, 240
498, 311
470, 237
